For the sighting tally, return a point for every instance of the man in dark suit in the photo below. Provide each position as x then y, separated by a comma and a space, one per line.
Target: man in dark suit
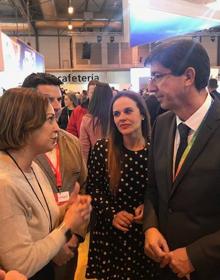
212, 87
182, 202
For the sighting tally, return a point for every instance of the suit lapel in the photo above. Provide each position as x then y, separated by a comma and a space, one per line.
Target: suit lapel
207, 129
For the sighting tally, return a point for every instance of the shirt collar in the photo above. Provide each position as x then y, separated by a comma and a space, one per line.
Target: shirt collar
194, 121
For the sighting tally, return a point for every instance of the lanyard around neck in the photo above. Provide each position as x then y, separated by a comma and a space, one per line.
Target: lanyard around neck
56, 169
185, 153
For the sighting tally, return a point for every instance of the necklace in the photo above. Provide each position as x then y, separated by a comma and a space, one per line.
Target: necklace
32, 188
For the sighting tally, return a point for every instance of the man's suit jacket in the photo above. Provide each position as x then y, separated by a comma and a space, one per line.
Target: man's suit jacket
187, 210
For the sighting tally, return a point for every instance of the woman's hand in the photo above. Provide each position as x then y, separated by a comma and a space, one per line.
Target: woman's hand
138, 214
123, 220
11, 275
78, 211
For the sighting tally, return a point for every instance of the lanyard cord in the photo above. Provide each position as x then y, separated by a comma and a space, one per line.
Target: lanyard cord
56, 169
48, 209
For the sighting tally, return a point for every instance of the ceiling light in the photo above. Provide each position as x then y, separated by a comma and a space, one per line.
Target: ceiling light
70, 8
70, 26
214, 5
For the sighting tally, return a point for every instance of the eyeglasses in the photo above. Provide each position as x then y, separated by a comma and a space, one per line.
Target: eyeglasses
157, 77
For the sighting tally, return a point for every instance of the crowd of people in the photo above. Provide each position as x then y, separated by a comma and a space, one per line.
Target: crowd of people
147, 169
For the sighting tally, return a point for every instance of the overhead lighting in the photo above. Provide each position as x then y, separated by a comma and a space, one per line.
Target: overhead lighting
70, 26
70, 8
214, 5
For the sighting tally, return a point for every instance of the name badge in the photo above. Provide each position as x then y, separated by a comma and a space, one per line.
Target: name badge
62, 197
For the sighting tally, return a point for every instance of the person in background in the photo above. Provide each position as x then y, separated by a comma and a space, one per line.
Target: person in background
83, 96
33, 229
94, 125
117, 181
63, 166
76, 117
153, 105
114, 91
70, 101
182, 210
11, 275
212, 88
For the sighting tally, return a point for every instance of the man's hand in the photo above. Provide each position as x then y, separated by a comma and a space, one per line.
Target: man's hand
73, 243
180, 262
123, 220
156, 246
67, 252
64, 255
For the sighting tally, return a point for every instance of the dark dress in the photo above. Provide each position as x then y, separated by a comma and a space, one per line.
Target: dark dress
114, 254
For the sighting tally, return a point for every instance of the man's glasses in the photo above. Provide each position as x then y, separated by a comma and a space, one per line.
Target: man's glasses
157, 77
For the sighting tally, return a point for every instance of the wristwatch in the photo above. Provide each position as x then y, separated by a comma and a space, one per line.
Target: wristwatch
80, 238
68, 233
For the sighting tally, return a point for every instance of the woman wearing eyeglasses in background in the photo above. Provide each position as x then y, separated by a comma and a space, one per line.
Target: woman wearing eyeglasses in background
117, 181
32, 227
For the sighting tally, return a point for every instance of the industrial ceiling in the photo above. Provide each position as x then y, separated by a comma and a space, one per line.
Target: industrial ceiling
37, 15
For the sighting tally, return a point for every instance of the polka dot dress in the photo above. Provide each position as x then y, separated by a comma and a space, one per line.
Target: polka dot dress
114, 254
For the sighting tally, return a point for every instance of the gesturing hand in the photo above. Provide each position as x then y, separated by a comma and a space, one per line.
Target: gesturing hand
78, 211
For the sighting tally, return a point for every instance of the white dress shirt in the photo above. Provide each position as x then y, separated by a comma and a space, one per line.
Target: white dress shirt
193, 123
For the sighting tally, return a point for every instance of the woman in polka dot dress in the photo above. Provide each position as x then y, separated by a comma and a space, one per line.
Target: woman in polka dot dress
117, 181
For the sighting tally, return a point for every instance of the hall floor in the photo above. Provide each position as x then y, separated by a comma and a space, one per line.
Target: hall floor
82, 260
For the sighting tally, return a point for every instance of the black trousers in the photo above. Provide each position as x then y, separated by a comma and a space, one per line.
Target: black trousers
46, 273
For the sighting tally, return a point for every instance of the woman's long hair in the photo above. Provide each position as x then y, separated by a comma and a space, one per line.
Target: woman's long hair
116, 139
99, 107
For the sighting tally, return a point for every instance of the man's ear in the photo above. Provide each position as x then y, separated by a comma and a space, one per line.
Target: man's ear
190, 74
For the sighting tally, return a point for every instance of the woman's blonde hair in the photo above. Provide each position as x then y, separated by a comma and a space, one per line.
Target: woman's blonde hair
22, 110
